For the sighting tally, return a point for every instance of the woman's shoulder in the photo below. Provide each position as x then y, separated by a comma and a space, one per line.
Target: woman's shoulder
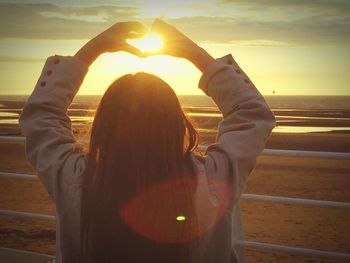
212, 164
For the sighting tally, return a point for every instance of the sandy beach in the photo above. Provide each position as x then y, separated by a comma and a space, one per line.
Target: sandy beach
294, 225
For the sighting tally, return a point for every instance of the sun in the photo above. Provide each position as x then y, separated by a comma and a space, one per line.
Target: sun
149, 43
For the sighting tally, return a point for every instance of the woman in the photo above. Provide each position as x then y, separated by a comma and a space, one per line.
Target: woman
140, 194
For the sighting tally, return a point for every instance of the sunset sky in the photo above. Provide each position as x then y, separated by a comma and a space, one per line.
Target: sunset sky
295, 47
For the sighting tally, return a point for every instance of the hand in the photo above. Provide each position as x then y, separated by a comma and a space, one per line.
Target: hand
178, 45
112, 40
175, 43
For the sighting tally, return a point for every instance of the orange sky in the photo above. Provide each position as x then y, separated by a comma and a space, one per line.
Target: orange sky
287, 46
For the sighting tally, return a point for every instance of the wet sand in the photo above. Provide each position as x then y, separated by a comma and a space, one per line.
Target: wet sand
302, 226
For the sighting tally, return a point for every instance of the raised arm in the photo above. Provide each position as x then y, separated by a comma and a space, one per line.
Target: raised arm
248, 120
50, 145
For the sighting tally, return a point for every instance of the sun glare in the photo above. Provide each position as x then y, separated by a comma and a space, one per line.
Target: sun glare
150, 43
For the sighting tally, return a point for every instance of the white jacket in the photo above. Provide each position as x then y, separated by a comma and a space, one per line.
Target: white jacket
59, 162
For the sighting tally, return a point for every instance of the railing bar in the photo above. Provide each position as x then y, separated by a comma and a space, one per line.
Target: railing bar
27, 215
252, 197
295, 201
297, 153
273, 152
316, 154
18, 255
295, 250
19, 176
12, 139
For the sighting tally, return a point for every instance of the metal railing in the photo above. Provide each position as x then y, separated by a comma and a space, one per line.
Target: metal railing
15, 255
251, 197
272, 152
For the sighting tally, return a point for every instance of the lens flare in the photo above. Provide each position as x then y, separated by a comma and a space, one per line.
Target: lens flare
162, 213
149, 43
180, 218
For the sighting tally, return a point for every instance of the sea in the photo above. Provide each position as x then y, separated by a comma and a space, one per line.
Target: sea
294, 114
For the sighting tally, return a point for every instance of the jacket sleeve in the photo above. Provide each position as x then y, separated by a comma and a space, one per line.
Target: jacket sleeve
247, 123
50, 145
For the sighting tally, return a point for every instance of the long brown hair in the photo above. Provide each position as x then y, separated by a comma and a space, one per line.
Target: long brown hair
137, 198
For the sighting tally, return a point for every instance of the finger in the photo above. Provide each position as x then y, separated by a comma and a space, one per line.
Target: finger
136, 27
151, 53
134, 35
132, 50
158, 25
162, 51
165, 29
159, 22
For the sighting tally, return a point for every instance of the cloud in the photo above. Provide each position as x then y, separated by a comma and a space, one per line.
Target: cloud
314, 30
316, 22
59, 22
253, 22
327, 6
256, 42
